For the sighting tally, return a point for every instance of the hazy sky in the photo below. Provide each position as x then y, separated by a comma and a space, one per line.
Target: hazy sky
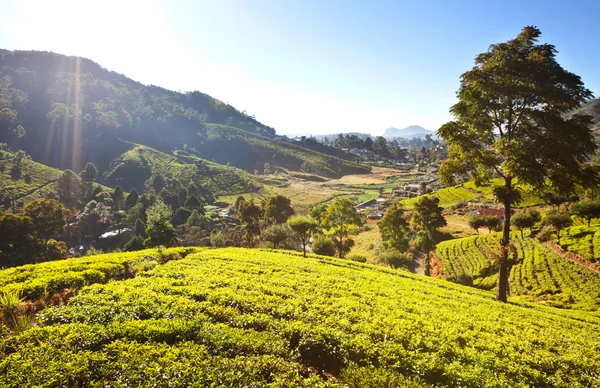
306, 66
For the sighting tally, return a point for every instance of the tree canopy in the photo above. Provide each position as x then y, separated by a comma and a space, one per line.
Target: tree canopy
512, 121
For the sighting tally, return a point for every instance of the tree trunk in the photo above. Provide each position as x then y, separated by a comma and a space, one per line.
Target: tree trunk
341, 243
304, 248
503, 271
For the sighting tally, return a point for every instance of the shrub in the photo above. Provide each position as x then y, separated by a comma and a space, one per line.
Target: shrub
323, 245
396, 259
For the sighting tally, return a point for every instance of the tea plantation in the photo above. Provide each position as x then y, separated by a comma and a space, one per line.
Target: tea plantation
253, 318
538, 272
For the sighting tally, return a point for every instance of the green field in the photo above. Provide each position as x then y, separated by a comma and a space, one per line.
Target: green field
448, 196
237, 317
582, 239
538, 273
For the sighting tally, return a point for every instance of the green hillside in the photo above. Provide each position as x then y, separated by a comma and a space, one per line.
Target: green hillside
468, 191
226, 144
132, 168
72, 111
237, 317
592, 108
33, 181
538, 273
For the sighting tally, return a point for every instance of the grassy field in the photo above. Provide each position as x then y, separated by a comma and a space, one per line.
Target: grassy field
368, 245
237, 317
539, 273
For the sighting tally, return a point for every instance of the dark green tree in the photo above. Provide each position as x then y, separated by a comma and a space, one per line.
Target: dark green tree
70, 189
525, 219
118, 197
49, 218
18, 243
476, 222
586, 210
394, 228
380, 146
427, 219
276, 234
303, 228
277, 209
340, 216
132, 199
159, 228
512, 121
558, 220
249, 215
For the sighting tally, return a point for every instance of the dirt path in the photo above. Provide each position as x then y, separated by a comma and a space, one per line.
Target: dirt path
571, 256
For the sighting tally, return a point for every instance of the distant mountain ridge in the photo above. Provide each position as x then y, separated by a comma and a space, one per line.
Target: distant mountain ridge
408, 132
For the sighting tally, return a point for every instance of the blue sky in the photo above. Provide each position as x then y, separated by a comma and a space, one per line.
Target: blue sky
323, 66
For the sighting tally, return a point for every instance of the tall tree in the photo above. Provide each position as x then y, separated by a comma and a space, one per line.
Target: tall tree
132, 199
48, 218
118, 197
427, 219
249, 215
18, 244
89, 173
303, 227
559, 220
159, 228
277, 209
512, 121
70, 189
340, 215
394, 228
380, 146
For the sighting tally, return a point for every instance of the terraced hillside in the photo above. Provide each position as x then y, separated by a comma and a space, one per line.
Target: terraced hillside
247, 150
538, 273
236, 317
469, 191
583, 240
132, 168
32, 181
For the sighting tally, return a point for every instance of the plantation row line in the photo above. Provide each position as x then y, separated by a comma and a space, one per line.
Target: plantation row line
537, 271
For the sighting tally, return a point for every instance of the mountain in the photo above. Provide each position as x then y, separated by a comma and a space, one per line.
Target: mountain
408, 132
592, 108
72, 111
194, 317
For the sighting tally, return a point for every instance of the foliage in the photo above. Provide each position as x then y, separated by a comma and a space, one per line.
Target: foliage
340, 216
394, 228
537, 272
277, 209
276, 234
18, 243
303, 228
587, 210
428, 215
159, 228
323, 245
70, 189
526, 219
511, 121
131, 199
397, 259
249, 215
48, 218
135, 244
558, 220
476, 222
202, 320
218, 240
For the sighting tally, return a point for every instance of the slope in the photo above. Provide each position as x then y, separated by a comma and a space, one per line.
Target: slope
132, 168
238, 317
538, 272
64, 103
